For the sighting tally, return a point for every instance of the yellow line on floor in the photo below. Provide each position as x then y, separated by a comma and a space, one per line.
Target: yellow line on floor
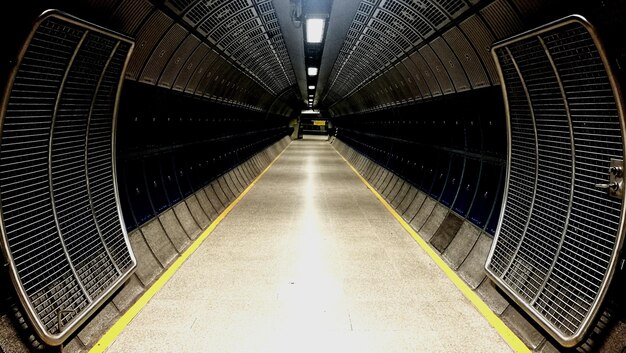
128, 316
505, 332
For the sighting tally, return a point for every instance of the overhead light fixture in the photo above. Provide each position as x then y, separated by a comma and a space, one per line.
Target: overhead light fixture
311, 87
314, 30
312, 71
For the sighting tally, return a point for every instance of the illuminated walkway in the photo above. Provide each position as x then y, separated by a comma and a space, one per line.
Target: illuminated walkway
309, 261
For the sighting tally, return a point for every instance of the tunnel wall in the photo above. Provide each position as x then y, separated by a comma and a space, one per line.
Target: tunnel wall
460, 243
441, 165
452, 150
170, 146
434, 111
159, 241
195, 126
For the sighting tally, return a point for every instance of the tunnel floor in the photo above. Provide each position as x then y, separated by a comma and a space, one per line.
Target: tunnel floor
309, 261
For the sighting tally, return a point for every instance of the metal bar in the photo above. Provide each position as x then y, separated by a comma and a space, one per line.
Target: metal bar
51, 135
572, 329
572, 172
86, 164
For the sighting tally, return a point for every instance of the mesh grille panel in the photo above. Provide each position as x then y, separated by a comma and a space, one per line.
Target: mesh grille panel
381, 34
67, 158
397, 32
29, 227
248, 32
222, 14
232, 29
452, 7
179, 5
64, 88
100, 165
431, 13
558, 239
594, 218
410, 16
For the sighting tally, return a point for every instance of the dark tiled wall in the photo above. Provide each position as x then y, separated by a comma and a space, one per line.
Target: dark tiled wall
451, 149
169, 146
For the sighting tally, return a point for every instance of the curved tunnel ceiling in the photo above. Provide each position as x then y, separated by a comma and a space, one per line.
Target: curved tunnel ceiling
232, 52
246, 31
376, 54
399, 51
392, 52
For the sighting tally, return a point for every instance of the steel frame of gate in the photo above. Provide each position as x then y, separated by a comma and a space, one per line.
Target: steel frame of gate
573, 340
37, 325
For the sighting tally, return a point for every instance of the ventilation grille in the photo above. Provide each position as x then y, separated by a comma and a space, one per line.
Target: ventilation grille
247, 31
61, 232
382, 31
559, 237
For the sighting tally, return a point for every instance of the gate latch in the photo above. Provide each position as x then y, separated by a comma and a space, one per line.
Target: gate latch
615, 187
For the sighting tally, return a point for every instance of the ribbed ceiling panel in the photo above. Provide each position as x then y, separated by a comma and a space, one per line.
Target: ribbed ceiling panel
245, 30
440, 46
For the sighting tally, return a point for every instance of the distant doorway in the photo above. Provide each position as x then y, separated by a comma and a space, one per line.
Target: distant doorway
312, 124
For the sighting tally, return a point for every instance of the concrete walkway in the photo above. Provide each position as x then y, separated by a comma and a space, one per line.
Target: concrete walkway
309, 261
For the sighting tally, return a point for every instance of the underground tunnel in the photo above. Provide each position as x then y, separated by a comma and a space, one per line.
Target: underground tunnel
312, 176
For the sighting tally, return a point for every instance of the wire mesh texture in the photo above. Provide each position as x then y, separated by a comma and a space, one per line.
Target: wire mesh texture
247, 31
560, 236
382, 31
62, 232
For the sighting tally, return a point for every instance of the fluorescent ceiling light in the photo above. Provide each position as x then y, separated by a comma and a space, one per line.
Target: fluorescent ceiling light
314, 30
311, 87
312, 71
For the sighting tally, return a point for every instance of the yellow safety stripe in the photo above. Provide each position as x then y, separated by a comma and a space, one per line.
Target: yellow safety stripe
505, 332
128, 316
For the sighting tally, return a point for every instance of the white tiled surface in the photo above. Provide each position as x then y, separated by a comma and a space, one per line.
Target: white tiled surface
309, 261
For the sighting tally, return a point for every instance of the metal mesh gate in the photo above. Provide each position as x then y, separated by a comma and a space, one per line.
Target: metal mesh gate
62, 232
560, 233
